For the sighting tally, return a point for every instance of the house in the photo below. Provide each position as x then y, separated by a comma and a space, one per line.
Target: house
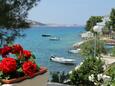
100, 26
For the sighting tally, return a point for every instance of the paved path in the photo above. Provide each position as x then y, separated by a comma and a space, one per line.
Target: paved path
40, 80
108, 59
56, 84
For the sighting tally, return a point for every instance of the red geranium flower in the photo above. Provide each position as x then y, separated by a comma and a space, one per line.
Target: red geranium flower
20, 55
0, 51
17, 48
0, 66
27, 53
6, 50
29, 68
8, 65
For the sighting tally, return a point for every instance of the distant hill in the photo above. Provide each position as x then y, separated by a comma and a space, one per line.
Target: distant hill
36, 23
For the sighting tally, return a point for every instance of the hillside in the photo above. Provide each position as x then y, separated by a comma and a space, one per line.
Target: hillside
36, 23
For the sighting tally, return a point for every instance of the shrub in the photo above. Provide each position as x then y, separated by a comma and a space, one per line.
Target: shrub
80, 76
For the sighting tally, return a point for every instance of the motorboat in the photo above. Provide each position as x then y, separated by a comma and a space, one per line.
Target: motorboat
46, 35
111, 43
62, 60
54, 38
75, 51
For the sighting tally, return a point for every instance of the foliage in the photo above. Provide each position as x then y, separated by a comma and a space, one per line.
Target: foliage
92, 22
113, 83
113, 51
110, 71
110, 25
22, 63
107, 28
13, 14
91, 65
112, 18
89, 49
59, 77
8, 36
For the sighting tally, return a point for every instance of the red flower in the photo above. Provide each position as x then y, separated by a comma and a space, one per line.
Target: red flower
20, 55
29, 68
27, 53
0, 66
17, 48
8, 65
0, 51
6, 50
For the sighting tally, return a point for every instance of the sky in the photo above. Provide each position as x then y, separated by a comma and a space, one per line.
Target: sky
69, 11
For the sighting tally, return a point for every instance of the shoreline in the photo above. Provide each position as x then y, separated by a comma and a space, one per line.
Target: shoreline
37, 26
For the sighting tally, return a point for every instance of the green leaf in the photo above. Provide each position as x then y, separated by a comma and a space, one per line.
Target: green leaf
34, 57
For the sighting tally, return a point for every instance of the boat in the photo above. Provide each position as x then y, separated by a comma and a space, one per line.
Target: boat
111, 44
62, 60
54, 38
74, 51
46, 35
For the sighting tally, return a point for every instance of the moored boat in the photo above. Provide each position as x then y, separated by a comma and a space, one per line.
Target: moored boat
54, 38
111, 43
46, 35
62, 60
74, 51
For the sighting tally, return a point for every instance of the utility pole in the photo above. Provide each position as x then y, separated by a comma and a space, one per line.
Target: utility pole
95, 38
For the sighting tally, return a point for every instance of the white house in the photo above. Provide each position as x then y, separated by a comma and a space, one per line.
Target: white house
99, 26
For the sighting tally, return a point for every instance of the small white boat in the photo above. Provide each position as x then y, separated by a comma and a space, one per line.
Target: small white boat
62, 60
75, 51
54, 38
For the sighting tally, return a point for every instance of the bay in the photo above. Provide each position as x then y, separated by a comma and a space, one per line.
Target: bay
43, 48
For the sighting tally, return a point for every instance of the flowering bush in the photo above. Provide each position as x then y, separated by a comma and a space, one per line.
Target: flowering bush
27, 53
22, 63
8, 65
29, 68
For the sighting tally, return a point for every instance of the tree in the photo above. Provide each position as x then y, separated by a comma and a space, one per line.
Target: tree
89, 49
113, 51
112, 18
59, 77
110, 71
107, 28
92, 22
13, 14
91, 65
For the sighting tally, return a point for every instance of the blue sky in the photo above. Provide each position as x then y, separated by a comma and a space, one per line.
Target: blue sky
69, 11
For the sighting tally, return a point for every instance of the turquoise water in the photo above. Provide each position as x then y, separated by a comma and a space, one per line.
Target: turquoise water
43, 48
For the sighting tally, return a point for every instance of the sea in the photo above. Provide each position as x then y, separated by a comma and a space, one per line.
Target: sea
43, 48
